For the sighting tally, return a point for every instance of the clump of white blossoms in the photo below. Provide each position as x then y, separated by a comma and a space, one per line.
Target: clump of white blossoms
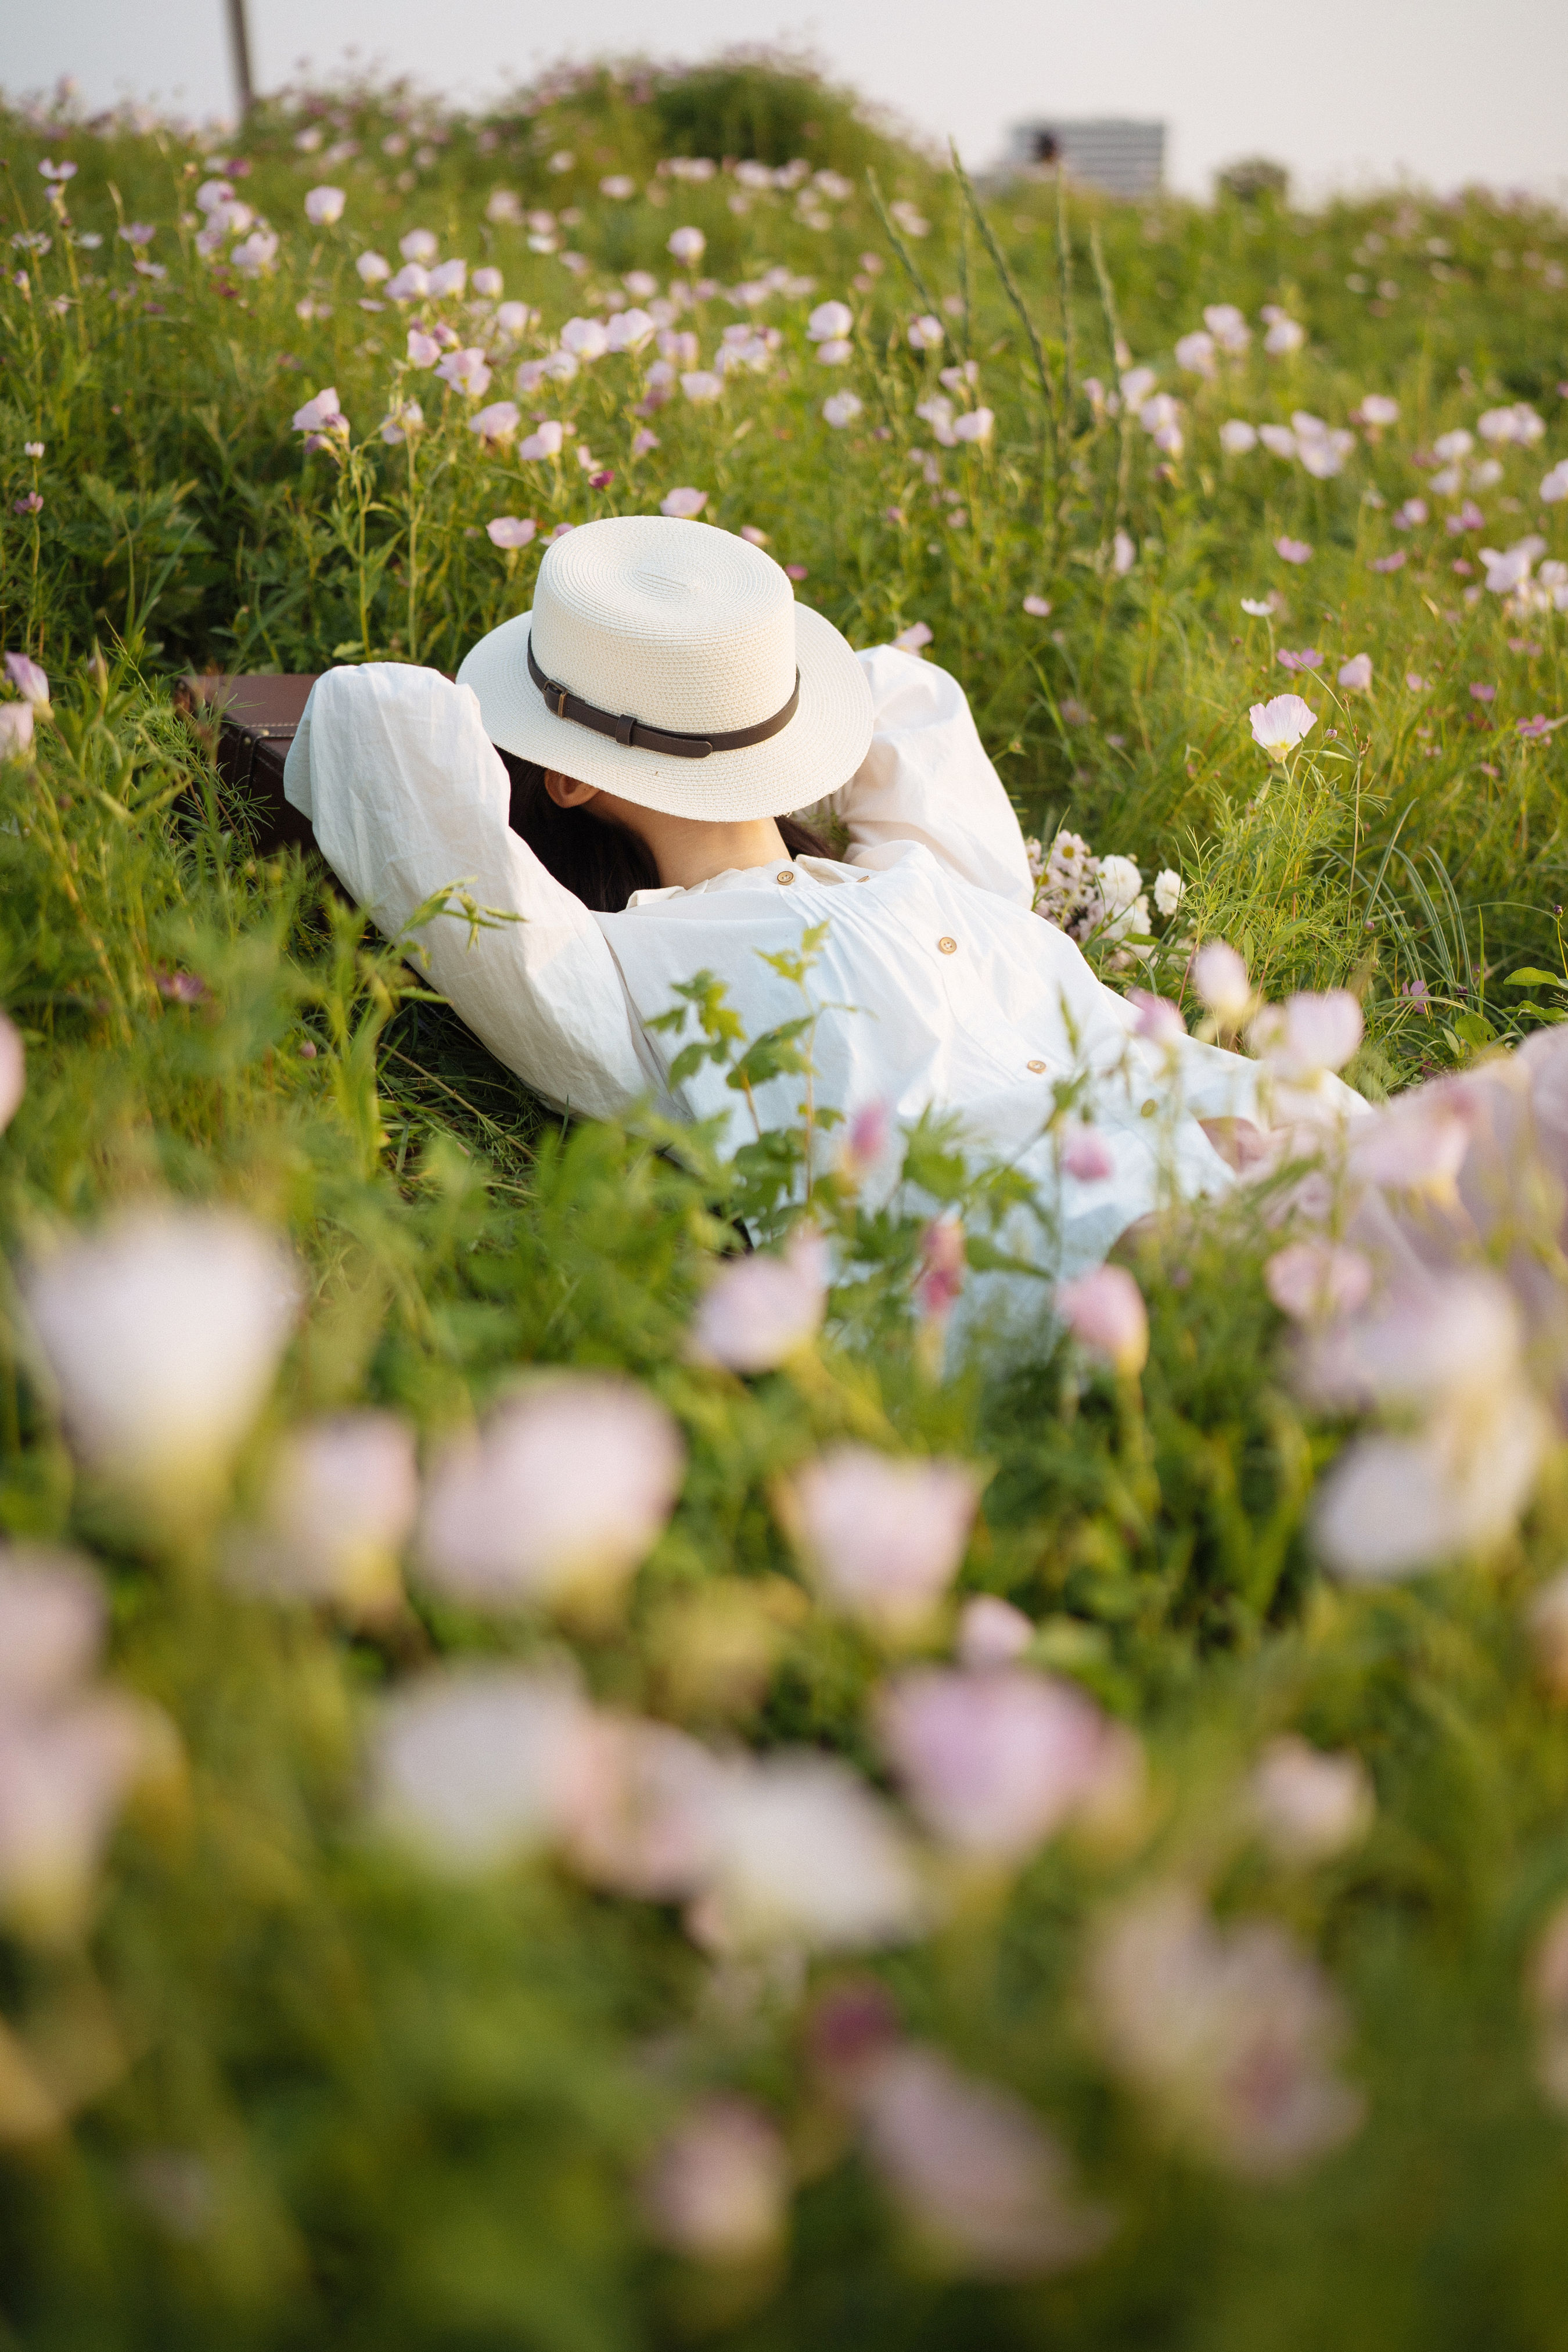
1092, 897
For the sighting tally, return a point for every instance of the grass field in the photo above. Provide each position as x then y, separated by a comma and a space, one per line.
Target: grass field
637, 1930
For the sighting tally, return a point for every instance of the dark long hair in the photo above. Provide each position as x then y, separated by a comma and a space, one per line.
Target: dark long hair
599, 861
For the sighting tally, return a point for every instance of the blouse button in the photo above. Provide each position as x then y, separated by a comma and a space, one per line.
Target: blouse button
948, 947
1037, 1065
785, 877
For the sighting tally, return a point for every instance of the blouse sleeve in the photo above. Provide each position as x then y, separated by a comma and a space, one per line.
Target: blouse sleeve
407, 797
926, 778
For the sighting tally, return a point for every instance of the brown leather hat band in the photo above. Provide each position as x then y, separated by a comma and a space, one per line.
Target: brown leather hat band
566, 705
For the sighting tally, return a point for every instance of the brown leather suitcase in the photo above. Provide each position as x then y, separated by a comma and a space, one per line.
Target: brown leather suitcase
257, 718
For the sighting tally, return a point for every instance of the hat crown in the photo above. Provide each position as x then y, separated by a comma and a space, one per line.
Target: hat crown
682, 626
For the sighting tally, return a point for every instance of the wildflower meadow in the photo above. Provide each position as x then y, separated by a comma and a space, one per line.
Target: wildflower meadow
570, 1782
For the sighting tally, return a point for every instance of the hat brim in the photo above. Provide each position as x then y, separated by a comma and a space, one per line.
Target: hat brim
820, 748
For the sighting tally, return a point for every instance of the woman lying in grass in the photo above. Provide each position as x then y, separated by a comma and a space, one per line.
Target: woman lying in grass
640, 850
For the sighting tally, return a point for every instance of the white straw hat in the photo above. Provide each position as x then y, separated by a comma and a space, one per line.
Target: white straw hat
653, 644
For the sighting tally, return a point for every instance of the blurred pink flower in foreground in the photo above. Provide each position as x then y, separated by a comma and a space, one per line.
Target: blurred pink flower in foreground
911, 640
1307, 1035
509, 531
1232, 2032
991, 1632
1219, 976
943, 1263
1105, 1314
995, 1762
759, 1310
1356, 674
68, 1754
1279, 725
340, 1504
717, 2187
163, 1330
566, 1489
804, 1855
1156, 1018
1086, 1156
1416, 1144
1315, 1279
13, 1071
324, 205
476, 1766
640, 1806
1293, 551
884, 1537
975, 2172
1310, 1805
686, 504
16, 722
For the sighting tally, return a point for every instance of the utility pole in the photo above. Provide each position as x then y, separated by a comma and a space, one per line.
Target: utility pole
239, 41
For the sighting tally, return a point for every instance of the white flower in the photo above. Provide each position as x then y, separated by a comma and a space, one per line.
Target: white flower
1286, 335
805, 1854
585, 339
974, 424
1555, 487
325, 206
688, 245
339, 1505
164, 1331
1309, 1805
926, 333
1169, 891
842, 409
830, 322
479, 1765
1195, 353
701, 386
1237, 436
761, 1309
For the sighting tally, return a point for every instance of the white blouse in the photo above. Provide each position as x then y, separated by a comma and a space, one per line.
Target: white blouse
943, 990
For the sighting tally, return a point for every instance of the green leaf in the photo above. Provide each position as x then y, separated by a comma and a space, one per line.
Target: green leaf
1528, 976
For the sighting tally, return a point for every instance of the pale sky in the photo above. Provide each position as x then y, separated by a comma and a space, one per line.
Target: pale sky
1345, 92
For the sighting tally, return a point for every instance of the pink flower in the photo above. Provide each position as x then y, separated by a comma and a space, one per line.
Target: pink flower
1195, 353
489, 283
1312, 1280
585, 339
449, 278
1308, 658
803, 1855
926, 333
16, 729
1378, 410
842, 409
496, 424
1394, 563
991, 1632
867, 1138
943, 1265
911, 640
1156, 1018
477, 1765
1308, 1033
1536, 729
28, 679
13, 1070
1037, 607
1086, 1156
1356, 674
31, 504
1105, 1314
1219, 976
1417, 1143
567, 1488
338, 1507
509, 531
1483, 693
1293, 551
830, 322
974, 425
1284, 336
1279, 725
688, 245
1237, 436
420, 245
1309, 1805
685, 503
324, 205
163, 1330
424, 350
717, 2189
701, 386
975, 2172
639, 1817
467, 371
323, 416
373, 268
643, 444
544, 442
52, 1616
411, 284
1231, 2031
883, 1536
760, 1310
995, 1762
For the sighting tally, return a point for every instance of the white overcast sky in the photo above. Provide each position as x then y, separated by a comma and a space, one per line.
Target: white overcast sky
1343, 91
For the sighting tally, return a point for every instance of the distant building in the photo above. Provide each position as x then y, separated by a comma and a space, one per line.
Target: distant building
1105, 152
